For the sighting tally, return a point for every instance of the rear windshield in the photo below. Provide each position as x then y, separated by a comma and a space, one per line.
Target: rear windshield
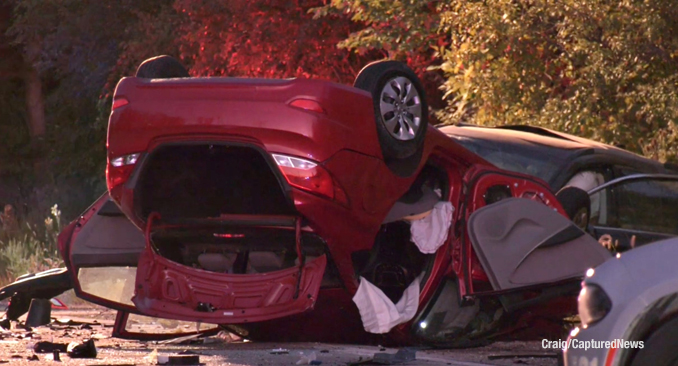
537, 160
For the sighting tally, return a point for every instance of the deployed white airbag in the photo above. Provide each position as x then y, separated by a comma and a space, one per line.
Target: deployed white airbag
431, 232
378, 313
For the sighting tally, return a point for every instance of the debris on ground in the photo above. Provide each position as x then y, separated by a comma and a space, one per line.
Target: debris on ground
153, 356
280, 351
403, 355
83, 323
202, 338
228, 337
178, 360
188, 352
85, 349
181, 340
49, 347
99, 336
308, 359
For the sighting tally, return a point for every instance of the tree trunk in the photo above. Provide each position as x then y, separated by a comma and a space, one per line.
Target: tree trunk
34, 104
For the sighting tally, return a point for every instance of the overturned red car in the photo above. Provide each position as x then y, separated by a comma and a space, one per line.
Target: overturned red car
308, 210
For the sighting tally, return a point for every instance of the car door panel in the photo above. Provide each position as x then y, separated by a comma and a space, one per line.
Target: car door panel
101, 250
106, 237
522, 242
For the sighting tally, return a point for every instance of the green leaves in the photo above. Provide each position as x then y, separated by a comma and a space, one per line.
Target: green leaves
601, 69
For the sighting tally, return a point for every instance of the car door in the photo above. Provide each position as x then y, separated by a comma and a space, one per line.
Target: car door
634, 210
101, 250
521, 235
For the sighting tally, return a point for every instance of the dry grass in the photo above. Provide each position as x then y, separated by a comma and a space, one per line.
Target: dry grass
32, 249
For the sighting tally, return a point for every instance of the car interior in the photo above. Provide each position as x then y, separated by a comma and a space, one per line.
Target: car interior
394, 261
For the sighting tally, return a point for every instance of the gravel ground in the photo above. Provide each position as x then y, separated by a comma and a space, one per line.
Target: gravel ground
17, 347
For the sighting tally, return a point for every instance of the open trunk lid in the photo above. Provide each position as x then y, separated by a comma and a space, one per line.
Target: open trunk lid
228, 270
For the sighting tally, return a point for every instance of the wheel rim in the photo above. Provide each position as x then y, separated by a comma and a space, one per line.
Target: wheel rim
400, 108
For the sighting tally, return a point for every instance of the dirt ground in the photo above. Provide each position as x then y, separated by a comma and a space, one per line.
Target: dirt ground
82, 322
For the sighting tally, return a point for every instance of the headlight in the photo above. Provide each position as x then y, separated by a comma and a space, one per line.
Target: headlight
593, 304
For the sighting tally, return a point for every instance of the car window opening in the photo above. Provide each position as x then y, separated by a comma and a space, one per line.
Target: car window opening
520, 158
209, 180
395, 269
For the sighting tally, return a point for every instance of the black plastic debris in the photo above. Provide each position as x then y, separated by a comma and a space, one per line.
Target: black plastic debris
86, 349
49, 347
39, 313
403, 355
56, 356
43, 285
179, 360
34, 358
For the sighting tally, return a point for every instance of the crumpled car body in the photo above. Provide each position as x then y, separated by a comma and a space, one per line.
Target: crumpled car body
231, 203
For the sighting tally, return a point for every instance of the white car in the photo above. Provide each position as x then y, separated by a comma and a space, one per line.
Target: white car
628, 308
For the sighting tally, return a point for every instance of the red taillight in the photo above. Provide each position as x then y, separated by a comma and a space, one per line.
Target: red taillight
118, 171
307, 104
310, 176
115, 177
119, 102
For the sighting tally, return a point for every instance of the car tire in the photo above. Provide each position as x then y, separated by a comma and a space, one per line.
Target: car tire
577, 204
400, 108
659, 349
161, 67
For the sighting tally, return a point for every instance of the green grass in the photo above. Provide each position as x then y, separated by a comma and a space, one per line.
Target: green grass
32, 249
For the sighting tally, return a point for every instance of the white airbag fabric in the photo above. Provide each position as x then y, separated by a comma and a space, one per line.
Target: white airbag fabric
378, 313
431, 232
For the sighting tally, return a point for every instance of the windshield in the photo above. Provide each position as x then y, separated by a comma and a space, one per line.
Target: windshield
537, 160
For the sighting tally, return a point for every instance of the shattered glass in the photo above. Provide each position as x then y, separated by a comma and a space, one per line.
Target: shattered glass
142, 324
109, 283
